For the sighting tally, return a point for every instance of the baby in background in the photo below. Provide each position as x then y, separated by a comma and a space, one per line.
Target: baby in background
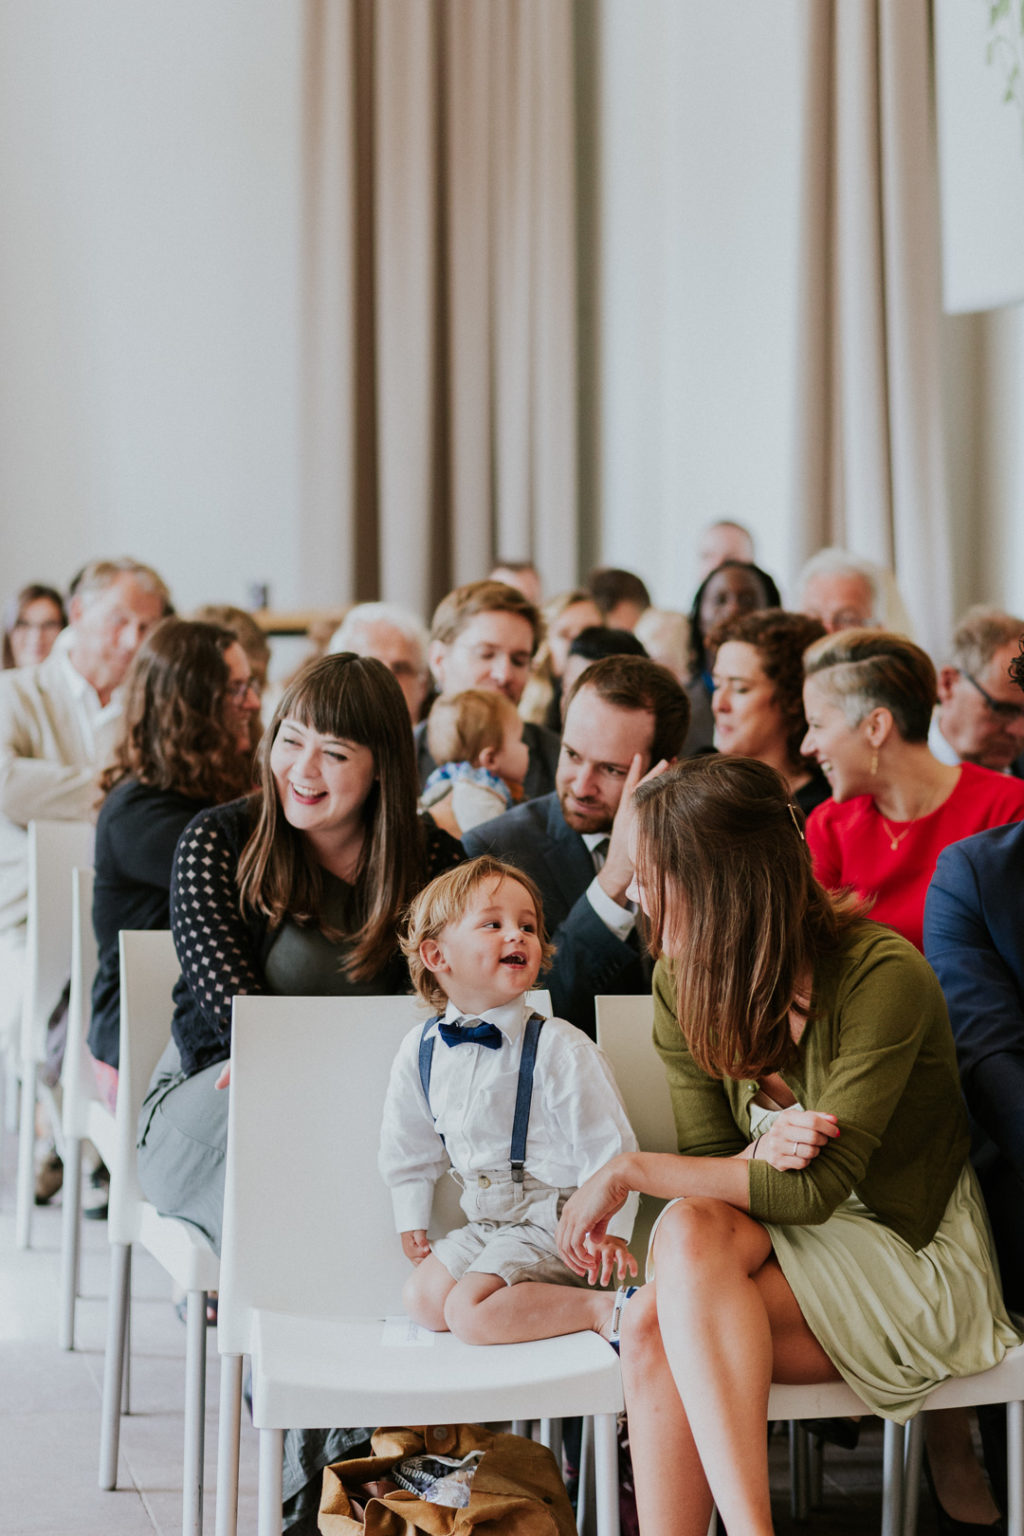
523, 1109
477, 739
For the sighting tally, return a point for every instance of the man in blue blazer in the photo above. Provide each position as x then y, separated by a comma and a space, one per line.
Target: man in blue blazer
625, 720
974, 940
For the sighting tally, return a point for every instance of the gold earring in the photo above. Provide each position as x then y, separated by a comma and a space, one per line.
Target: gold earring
874, 761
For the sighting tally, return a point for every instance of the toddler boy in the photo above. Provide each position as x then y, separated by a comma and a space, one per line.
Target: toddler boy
522, 1109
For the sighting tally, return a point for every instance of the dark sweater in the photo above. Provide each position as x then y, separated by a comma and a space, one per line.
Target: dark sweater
136, 835
223, 949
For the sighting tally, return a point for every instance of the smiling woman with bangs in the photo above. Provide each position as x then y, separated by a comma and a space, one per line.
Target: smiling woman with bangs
296, 889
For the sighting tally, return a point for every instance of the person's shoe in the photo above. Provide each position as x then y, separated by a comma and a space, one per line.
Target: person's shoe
622, 1295
844, 1432
96, 1195
49, 1178
947, 1525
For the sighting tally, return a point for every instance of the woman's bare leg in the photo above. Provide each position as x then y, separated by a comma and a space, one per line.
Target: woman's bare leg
728, 1325
672, 1493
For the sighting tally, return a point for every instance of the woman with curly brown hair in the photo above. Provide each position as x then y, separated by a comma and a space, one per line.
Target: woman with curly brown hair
184, 746
758, 678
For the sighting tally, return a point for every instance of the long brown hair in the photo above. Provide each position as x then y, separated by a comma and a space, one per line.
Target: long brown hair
176, 734
355, 698
726, 874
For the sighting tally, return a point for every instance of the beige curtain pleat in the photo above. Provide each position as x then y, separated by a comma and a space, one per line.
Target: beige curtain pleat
440, 397
871, 468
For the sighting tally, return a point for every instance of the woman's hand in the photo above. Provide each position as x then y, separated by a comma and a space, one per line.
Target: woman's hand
794, 1139
224, 1080
586, 1215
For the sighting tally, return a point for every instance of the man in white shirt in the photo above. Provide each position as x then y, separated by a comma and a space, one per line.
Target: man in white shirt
58, 726
626, 718
980, 714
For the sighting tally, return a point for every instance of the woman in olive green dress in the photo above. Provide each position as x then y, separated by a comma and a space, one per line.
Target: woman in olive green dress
824, 1221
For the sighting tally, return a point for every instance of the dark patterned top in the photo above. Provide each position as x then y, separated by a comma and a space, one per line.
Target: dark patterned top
222, 946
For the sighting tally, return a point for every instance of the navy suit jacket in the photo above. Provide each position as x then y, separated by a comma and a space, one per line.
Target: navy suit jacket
544, 747
974, 940
589, 958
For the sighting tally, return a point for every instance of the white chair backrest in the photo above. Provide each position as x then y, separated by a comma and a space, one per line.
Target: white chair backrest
149, 969
55, 848
77, 1075
624, 1034
308, 1079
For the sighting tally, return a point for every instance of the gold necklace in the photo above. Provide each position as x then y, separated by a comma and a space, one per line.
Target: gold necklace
895, 838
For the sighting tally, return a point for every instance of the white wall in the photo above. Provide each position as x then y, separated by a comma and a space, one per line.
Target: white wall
699, 186
149, 166
150, 291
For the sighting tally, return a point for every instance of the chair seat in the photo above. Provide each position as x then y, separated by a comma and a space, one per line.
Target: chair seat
179, 1248
1004, 1383
313, 1371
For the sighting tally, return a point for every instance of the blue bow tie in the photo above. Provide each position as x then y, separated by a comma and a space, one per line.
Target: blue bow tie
469, 1032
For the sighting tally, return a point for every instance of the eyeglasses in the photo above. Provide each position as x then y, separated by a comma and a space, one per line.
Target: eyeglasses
1001, 708
240, 691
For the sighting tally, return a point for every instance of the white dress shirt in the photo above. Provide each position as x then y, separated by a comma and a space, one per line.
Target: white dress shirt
577, 1120
619, 919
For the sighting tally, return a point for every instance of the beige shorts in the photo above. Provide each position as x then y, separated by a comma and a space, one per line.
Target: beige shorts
510, 1232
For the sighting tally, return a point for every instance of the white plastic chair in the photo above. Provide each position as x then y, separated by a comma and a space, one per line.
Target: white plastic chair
55, 848
624, 1034
84, 1115
312, 1267
149, 969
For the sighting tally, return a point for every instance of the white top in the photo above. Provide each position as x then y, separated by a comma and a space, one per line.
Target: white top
577, 1119
938, 745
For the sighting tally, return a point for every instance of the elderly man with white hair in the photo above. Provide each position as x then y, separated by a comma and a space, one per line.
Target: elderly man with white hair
394, 636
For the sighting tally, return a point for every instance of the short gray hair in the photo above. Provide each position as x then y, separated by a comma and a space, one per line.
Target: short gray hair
100, 574
833, 561
349, 636
979, 633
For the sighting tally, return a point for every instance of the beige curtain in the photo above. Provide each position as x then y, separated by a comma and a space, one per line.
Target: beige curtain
439, 390
874, 476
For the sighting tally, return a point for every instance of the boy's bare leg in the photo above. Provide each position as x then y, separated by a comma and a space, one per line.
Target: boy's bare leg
483, 1309
425, 1293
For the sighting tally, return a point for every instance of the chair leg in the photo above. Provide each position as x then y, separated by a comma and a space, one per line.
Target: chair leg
892, 1479
798, 1473
229, 1430
606, 1474
113, 1362
551, 1436
11, 1092
585, 1480
195, 1414
1015, 1469
913, 1454
71, 1216
26, 1157
271, 1481
126, 1374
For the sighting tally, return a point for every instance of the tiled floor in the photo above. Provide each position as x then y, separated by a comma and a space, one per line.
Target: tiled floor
50, 1401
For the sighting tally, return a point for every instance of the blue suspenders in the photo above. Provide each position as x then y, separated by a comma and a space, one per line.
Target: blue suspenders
524, 1092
